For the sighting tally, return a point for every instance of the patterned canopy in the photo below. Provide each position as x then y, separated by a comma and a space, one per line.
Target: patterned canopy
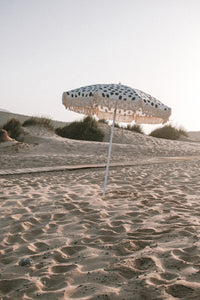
102, 99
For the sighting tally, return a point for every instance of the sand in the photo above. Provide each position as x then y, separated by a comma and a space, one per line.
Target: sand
140, 241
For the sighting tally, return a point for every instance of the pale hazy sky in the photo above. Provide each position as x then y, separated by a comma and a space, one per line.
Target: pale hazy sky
51, 46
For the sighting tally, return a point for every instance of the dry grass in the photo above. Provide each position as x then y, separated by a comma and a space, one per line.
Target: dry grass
103, 121
13, 128
168, 132
135, 128
87, 129
46, 122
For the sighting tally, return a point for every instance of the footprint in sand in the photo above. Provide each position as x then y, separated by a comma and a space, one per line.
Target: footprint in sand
168, 276
125, 269
53, 282
71, 250
63, 268
180, 291
125, 248
187, 257
14, 238
37, 232
41, 246
172, 263
144, 263
60, 257
7, 285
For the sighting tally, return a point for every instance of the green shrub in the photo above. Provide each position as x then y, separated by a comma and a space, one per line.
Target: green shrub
117, 125
46, 122
135, 128
13, 128
168, 132
103, 121
183, 132
87, 129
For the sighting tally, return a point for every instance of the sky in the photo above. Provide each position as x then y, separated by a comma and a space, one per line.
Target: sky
48, 47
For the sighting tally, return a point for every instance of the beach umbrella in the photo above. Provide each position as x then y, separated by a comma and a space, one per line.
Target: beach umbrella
116, 102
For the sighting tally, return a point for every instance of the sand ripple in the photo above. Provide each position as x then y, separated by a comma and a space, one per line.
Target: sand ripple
139, 242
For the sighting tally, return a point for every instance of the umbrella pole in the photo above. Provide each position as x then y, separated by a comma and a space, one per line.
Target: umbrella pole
109, 151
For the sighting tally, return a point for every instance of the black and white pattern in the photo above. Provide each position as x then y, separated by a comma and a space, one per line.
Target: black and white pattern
132, 104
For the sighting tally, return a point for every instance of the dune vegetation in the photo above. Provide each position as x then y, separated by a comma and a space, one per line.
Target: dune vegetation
135, 128
13, 128
168, 132
87, 129
46, 122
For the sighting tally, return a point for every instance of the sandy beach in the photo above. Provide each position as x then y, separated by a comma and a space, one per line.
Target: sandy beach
60, 239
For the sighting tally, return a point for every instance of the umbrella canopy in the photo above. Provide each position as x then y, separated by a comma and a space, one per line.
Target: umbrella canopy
118, 103
102, 99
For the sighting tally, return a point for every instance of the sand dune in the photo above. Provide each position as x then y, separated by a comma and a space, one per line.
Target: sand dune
122, 137
141, 241
194, 135
42, 147
5, 116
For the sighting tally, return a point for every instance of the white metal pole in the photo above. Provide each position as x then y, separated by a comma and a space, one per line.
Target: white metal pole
109, 151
